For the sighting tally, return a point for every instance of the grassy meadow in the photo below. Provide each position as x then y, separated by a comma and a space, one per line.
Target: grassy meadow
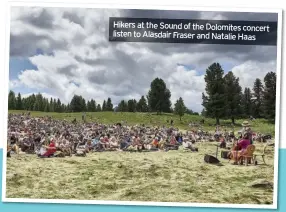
174, 176
152, 119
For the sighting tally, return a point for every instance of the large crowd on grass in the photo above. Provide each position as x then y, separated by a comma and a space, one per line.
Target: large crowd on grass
49, 137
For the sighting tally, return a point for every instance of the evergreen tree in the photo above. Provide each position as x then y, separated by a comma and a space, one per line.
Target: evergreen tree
180, 108
122, 106
83, 104
104, 106
98, 108
269, 97
46, 109
92, 106
52, 108
142, 105
19, 105
59, 106
77, 104
109, 105
68, 108
233, 96
159, 97
131, 104
88, 106
258, 97
11, 101
246, 102
215, 101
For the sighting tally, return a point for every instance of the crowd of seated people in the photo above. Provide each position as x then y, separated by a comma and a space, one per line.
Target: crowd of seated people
47, 137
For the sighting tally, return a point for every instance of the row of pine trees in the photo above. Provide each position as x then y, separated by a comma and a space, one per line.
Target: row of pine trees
157, 100
223, 98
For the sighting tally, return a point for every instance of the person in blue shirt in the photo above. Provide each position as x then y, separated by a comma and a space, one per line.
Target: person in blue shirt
179, 138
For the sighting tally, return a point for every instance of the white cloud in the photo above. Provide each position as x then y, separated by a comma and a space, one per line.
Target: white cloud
250, 70
79, 59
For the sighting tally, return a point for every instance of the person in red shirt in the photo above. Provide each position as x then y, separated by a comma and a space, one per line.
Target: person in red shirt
50, 150
240, 148
244, 142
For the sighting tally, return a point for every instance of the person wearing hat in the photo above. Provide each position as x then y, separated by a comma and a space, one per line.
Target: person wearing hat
246, 129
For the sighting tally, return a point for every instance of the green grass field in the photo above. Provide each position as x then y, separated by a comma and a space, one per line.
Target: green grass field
174, 176
258, 125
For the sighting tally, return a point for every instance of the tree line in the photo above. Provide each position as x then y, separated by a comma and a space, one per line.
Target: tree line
157, 100
224, 98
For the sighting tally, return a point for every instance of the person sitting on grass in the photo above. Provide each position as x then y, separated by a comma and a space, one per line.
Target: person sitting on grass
13, 143
113, 143
124, 143
95, 143
187, 144
222, 142
107, 141
103, 145
26, 145
179, 138
88, 146
137, 143
65, 148
162, 143
132, 145
154, 144
48, 151
173, 144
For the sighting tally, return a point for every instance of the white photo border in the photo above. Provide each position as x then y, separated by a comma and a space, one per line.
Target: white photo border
150, 7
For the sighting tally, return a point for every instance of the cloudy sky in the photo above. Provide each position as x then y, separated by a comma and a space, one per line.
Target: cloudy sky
64, 51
